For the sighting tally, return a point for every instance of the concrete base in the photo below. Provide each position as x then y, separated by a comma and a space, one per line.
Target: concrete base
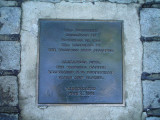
32, 11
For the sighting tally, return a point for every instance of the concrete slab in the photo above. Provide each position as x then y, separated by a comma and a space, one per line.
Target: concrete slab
32, 11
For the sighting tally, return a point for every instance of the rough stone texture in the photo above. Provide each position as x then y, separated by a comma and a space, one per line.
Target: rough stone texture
9, 55
10, 20
8, 3
132, 59
152, 118
8, 116
150, 22
8, 91
151, 94
151, 57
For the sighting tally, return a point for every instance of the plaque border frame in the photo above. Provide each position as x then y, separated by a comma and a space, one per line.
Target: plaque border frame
81, 104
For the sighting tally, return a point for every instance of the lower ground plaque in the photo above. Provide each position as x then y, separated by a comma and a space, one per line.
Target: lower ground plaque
80, 62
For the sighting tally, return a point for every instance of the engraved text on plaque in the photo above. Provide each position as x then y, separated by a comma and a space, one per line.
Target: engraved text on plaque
80, 62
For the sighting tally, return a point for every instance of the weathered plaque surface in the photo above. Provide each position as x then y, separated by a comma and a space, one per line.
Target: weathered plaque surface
80, 62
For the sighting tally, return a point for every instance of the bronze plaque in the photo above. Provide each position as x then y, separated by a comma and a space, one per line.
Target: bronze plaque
80, 62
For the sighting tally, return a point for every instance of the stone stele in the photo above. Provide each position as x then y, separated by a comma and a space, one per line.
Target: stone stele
32, 11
